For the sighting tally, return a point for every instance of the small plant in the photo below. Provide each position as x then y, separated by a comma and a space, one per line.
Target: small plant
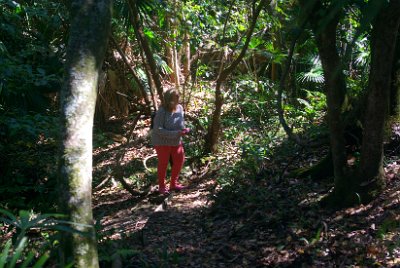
10, 257
28, 220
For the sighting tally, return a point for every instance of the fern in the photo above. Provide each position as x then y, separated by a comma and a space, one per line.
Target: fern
314, 75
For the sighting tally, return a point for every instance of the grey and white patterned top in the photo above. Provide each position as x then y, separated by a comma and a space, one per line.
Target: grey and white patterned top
167, 126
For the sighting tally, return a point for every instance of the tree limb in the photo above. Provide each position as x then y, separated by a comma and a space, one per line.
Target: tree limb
132, 71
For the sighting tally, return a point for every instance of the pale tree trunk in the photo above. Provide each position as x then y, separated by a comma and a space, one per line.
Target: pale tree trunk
211, 145
90, 25
173, 58
186, 53
169, 53
177, 66
186, 64
383, 42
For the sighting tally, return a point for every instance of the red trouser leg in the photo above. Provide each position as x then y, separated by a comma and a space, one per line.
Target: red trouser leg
178, 157
163, 154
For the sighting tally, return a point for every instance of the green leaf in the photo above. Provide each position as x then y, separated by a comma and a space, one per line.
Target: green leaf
4, 254
149, 33
9, 214
28, 259
42, 260
18, 252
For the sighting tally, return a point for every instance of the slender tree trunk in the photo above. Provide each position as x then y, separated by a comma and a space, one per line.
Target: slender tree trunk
186, 65
169, 53
211, 144
171, 35
90, 24
177, 64
187, 56
383, 42
146, 48
335, 88
133, 73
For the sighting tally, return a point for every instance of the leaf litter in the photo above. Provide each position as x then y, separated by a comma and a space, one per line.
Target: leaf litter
257, 223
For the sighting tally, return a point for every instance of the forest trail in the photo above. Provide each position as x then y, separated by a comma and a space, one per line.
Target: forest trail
270, 221
166, 230
266, 223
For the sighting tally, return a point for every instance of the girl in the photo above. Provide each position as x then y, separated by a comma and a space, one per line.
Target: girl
166, 137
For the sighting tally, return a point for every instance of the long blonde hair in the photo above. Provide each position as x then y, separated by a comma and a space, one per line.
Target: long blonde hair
170, 99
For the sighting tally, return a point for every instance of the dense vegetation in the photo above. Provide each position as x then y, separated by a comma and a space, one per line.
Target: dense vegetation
293, 152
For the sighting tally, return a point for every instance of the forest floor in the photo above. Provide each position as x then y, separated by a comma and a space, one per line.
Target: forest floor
267, 222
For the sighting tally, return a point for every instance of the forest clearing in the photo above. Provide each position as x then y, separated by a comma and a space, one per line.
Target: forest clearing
227, 133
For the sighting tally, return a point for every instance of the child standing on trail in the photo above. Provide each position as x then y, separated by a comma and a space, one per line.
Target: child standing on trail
166, 137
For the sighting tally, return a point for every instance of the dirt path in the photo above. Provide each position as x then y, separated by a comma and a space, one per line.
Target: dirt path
265, 222
280, 227
166, 231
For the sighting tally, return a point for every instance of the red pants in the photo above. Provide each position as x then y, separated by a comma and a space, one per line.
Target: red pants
164, 153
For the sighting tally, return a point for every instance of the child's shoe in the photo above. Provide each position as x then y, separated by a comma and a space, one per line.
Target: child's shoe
163, 191
177, 187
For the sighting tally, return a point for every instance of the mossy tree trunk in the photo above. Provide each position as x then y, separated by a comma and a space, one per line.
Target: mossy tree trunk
90, 26
383, 43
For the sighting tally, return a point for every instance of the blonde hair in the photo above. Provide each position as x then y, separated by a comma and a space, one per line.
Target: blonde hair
170, 101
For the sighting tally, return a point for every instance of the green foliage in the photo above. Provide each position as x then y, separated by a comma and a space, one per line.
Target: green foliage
20, 251
30, 139
28, 220
30, 56
388, 225
10, 257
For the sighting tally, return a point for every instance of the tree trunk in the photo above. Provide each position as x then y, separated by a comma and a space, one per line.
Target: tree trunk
177, 64
135, 19
169, 53
335, 88
395, 85
171, 35
383, 42
134, 75
215, 124
85, 53
187, 56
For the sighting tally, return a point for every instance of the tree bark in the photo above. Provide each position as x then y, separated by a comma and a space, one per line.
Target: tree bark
335, 88
186, 50
90, 25
395, 85
211, 145
383, 42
